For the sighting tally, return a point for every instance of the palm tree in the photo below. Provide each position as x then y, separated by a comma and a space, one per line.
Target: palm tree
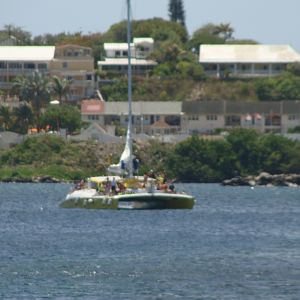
5, 117
24, 117
224, 30
176, 11
35, 89
61, 87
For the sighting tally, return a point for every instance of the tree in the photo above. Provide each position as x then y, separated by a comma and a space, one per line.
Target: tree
35, 89
61, 116
24, 117
224, 30
294, 68
21, 36
61, 87
5, 117
205, 35
279, 154
199, 160
160, 30
245, 145
176, 11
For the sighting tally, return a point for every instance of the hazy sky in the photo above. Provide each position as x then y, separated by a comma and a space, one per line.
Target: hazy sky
266, 21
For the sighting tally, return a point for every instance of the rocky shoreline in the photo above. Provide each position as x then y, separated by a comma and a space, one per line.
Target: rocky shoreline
38, 179
265, 179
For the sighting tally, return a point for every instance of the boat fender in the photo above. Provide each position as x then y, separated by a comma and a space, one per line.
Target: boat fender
109, 201
84, 202
90, 200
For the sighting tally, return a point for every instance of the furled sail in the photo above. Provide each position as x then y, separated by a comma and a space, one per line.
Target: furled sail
123, 165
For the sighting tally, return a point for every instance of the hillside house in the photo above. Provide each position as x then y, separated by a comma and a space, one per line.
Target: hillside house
116, 59
72, 62
246, 60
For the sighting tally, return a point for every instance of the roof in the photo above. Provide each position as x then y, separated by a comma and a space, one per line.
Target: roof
160, 124
74, 46
143, 40
240, 107
27, 53
92, 107
116, 46
143, 108
248, 54
124, 46
124, 62
203, 107
96, 132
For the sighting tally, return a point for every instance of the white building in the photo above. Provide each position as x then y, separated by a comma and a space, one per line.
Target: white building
246, 60
117, 56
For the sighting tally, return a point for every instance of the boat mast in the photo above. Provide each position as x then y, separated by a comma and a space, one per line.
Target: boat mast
129, 88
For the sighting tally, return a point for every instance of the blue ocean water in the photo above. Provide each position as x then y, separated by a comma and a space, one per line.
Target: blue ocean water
237, 243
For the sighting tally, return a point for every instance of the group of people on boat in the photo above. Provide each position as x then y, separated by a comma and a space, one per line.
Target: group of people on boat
162, 184
113, 186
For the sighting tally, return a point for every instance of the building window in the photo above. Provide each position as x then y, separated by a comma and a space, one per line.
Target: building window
15, 65
29, 66
64, 65
173, 120
3, 65
89, 77
293, 117
273, 120
211, 117
42, 66
93, 117
118, 53
233, 120
193, 118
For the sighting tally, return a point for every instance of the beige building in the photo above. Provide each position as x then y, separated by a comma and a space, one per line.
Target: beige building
147, 116
266, 116
246, 60
200, 117
116, 59
73, 62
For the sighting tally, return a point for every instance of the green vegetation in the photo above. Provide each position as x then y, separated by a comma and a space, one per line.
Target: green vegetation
243, 152
61, 116
54, 117
178, 75
52, 156
35, 93
176, 11
17, 120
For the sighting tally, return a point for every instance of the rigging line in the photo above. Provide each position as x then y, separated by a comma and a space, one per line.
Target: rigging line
123, 12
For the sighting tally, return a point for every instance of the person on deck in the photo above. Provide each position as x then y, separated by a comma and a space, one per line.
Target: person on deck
114, 186
107, 186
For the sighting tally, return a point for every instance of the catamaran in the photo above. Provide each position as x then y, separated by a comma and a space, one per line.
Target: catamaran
132, 192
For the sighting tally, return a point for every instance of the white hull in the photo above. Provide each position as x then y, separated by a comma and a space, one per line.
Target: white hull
89, 198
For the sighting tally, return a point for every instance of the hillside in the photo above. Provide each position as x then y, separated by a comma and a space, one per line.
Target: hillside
51, 156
